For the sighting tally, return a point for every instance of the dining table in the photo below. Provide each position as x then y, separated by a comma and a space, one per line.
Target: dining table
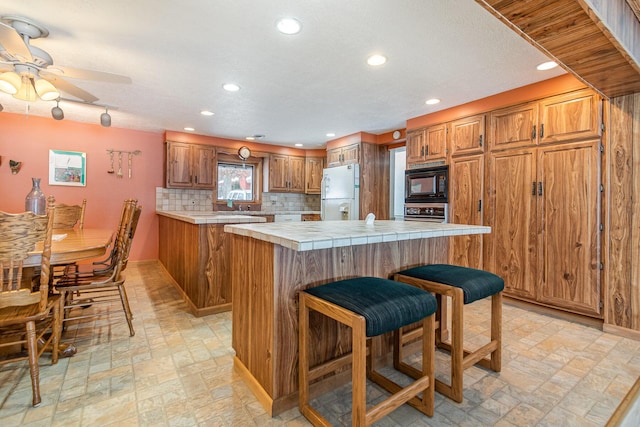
73, 245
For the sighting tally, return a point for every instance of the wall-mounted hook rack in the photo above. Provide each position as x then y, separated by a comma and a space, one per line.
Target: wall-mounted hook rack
129, 154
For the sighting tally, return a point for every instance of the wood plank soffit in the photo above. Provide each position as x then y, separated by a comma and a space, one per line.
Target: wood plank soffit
572, 32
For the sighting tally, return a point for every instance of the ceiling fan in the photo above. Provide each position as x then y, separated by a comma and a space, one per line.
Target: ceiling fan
32, 71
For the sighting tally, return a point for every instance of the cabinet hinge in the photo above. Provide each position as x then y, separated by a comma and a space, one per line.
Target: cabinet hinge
480, 141
601, 148
601, 266
601, 188
601, 227
602, 127
601, 305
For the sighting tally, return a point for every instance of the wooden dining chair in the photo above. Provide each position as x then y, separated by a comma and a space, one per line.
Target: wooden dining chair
69, 216
27, 310
102, 285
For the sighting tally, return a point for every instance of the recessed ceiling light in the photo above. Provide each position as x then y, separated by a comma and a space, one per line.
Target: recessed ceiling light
188, 129
298, 145
231, 87
331, 134
547, 65
288, 26
207, 113
432, 101
375, 60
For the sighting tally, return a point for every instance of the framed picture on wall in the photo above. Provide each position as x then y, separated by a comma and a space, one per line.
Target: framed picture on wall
67, 168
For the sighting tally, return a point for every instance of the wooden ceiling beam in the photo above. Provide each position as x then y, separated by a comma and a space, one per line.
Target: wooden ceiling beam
602, 54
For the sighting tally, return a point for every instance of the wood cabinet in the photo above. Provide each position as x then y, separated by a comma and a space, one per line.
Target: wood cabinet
545, 223
313, 174
466, 207
467, 136
189, 165
569, 117
427, 144
343, 155
286, 173
310, 217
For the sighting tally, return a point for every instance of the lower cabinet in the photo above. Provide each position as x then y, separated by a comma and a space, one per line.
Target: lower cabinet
198, 259
545, 218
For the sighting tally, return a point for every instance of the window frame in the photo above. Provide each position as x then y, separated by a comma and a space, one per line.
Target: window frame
256, 162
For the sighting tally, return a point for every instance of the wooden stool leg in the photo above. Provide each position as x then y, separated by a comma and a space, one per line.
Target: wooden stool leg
428, 362
496, 331
454, 391
303, 355
359, 374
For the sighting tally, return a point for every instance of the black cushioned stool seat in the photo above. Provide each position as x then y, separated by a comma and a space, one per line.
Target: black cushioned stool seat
463, 285
371, 306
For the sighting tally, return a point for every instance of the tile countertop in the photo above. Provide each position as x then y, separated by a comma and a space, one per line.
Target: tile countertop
205, 217
311, 235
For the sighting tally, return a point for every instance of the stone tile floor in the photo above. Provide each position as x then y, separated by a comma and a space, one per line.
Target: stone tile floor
177, 371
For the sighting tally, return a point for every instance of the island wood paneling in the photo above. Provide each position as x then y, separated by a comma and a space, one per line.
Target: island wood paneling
623, 251
197, 258
266, 279
571, 32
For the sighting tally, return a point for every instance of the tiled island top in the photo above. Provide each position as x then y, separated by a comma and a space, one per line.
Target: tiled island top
311, 235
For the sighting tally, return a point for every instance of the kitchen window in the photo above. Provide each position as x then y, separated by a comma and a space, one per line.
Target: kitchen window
235, 181
239, 182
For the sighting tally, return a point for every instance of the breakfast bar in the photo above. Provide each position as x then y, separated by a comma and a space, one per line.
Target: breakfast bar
272, 262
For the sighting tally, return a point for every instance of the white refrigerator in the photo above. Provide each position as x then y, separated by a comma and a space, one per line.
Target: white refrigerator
340, 196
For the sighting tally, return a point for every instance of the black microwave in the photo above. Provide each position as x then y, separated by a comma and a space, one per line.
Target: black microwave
427, 185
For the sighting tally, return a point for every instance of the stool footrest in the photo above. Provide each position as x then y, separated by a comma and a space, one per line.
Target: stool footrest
399, 397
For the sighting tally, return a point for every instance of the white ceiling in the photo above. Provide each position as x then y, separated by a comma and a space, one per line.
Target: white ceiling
294, 88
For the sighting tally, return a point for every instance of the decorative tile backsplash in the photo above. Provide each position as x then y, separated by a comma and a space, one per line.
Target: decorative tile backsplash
172, 199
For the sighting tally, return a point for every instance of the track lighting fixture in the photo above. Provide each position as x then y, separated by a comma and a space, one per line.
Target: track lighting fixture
56, 112
105, 118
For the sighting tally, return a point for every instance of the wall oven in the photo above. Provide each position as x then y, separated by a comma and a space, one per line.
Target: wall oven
427, 194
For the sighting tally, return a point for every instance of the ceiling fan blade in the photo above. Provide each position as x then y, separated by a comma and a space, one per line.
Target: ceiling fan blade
13, 43
78, 73
69, 88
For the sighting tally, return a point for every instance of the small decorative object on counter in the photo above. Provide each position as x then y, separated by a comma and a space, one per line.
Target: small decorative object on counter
36, 201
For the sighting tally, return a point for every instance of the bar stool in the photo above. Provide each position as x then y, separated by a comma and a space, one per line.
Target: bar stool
370, 306
464, 285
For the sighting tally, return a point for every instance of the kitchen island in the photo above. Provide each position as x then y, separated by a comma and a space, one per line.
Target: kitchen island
194, 250
273, 262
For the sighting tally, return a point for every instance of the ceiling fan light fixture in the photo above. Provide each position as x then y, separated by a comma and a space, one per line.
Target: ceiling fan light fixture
10, 82
105, 118
26, 91
46, 91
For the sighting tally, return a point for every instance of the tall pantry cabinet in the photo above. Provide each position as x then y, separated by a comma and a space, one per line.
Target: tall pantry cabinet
543, 191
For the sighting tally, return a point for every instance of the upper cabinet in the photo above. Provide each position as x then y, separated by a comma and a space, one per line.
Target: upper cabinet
568, 117
343, 155
467, 136
427, 144
189, 165
313, 174
286, 173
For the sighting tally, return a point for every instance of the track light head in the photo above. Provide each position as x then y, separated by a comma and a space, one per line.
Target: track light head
105, 118
56, 112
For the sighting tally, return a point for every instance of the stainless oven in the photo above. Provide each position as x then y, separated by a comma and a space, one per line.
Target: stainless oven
428, 185
426, 212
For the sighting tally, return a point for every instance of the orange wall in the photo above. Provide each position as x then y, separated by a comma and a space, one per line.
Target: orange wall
29, 139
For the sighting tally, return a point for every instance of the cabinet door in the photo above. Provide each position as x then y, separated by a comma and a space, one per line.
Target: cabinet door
467, 136
204, 166
512, 219
278, 172
178, 165
333, 157
313, 174
351, 154
415, 146
296, 174
435, 142
570, 117
465, 203
569, 245
514, 126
